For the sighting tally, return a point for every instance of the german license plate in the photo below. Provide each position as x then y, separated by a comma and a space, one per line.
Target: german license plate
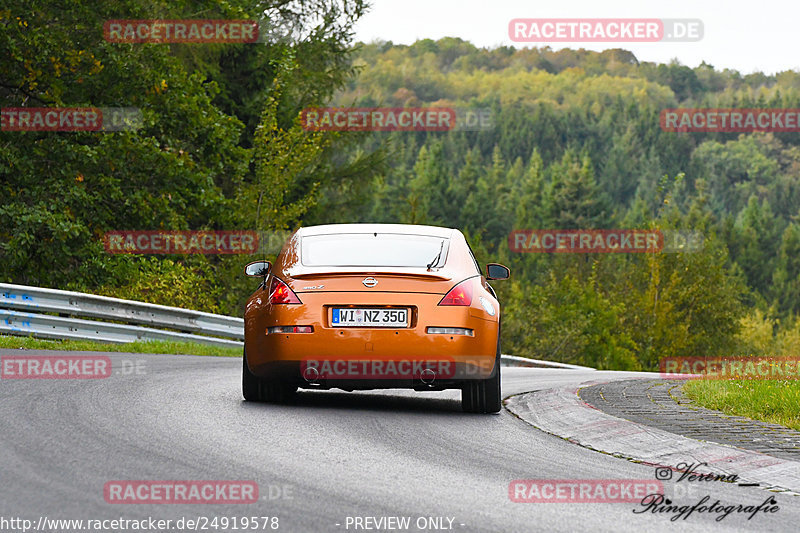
371, 318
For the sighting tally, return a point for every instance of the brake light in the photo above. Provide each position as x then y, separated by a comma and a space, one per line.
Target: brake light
280, 293
461, 294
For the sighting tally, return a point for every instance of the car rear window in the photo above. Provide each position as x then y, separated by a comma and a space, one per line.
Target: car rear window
372, 250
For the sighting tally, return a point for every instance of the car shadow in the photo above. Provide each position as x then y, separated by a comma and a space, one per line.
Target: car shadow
360, 401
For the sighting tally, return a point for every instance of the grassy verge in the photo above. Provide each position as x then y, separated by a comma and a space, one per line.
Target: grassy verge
163, 347
776, 402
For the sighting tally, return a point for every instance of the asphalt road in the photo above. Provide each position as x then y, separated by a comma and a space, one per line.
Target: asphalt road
330, 456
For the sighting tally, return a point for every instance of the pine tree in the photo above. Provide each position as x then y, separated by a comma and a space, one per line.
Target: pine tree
461, 186
487, 208
786, 280
757, 238
574, 200
428, 188
529, 195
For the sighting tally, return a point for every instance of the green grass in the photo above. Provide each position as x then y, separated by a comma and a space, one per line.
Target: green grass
162, 347
773, 401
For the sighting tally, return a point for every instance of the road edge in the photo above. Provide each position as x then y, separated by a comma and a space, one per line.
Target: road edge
560, 412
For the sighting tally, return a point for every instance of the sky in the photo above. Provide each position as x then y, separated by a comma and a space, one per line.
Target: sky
746, 36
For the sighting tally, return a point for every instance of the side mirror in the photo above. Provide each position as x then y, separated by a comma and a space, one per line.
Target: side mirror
257, 269
497, 271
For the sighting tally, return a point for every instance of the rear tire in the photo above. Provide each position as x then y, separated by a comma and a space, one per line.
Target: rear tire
255, 389
251, 385
275, 392
483, 396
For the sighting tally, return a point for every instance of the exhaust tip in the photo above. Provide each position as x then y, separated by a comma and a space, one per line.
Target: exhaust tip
428, 376
311, 374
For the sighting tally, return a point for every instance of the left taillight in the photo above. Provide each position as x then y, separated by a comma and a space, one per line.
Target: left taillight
280, 293
460, 295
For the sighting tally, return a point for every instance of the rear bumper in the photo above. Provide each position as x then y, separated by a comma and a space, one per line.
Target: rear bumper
297, 373
454, 358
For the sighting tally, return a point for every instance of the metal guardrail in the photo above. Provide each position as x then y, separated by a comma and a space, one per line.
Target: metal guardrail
22, 311
513, 360
23, 308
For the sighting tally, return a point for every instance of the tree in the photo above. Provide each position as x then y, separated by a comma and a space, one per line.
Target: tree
188, 165
429, 187
786, 279
529, 194
283, 158
756, 241
487, 206
567, 320
463, 184
573, 198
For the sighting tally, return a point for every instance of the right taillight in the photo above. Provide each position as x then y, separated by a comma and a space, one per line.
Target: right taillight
461, 294
280, 293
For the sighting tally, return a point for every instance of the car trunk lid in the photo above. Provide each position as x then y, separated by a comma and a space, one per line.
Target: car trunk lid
372, 280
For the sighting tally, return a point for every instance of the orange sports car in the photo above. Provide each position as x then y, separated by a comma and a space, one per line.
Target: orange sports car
367, 306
